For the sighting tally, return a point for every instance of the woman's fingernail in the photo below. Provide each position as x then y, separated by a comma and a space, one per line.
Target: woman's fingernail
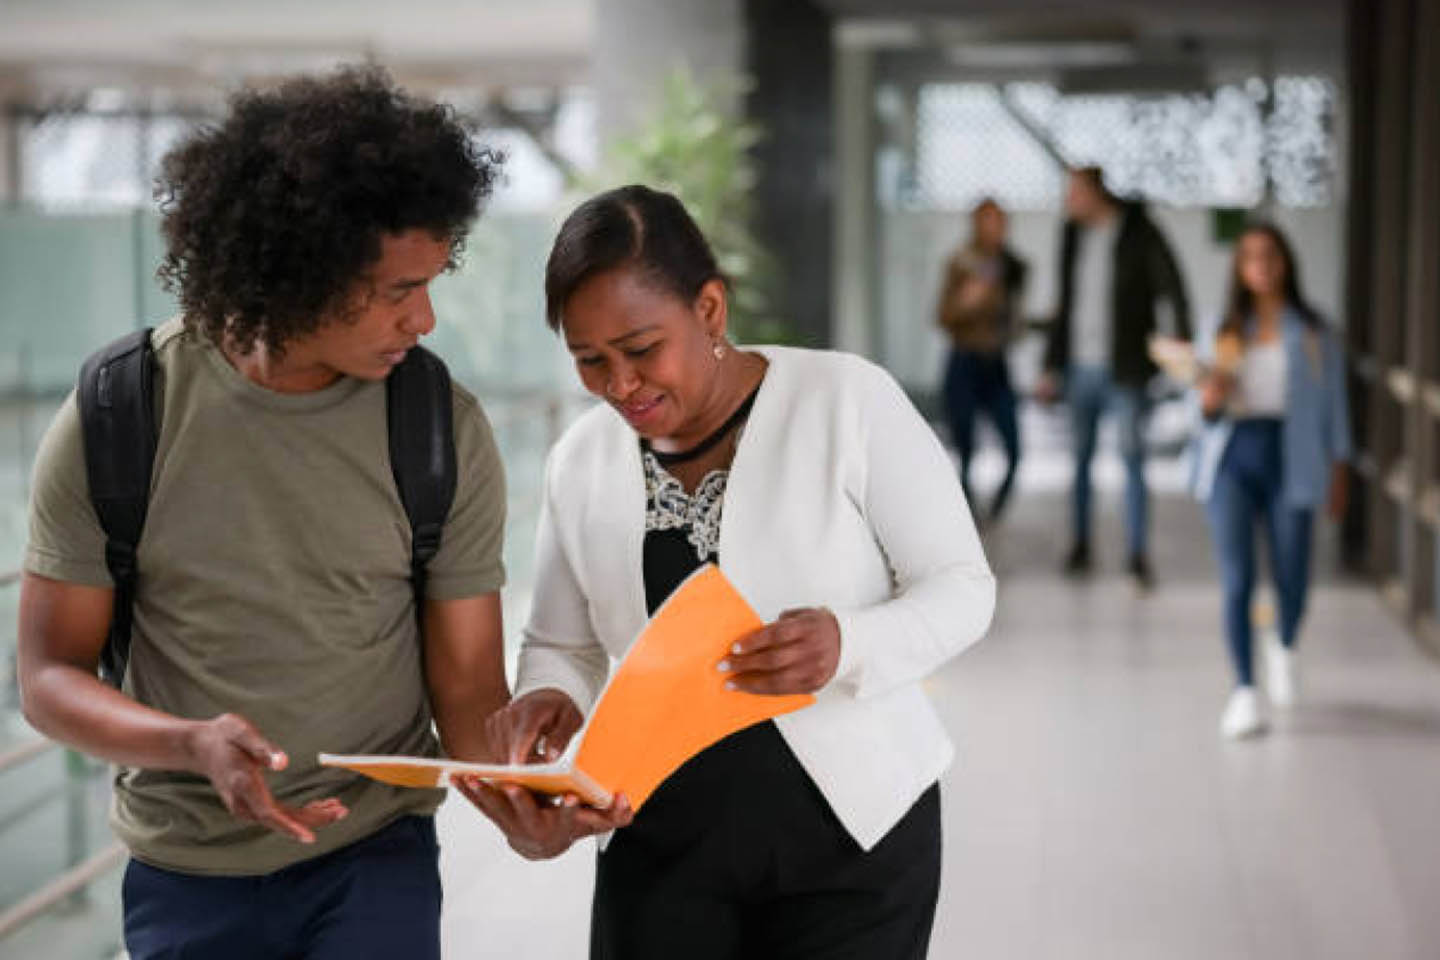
737, 649
730, 685
724, 666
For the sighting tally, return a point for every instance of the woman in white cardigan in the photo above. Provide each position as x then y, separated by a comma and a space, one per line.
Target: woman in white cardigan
825, 497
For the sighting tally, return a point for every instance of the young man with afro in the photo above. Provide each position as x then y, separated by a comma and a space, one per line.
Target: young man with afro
274, 616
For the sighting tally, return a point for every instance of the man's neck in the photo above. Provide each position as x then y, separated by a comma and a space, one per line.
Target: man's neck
1105, 216
291, 372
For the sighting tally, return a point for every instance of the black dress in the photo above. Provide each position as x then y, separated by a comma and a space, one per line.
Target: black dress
737, 854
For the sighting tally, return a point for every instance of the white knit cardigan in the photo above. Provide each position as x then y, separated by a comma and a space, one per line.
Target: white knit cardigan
840, 496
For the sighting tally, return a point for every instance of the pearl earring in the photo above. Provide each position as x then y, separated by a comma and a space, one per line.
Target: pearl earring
719, 350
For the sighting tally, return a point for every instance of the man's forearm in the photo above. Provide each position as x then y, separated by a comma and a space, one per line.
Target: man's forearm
460, 716
465, 671
73, 707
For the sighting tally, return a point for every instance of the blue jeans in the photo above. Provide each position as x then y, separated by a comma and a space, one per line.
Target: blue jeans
1247, 490
377, 898
976, 383
1090, 393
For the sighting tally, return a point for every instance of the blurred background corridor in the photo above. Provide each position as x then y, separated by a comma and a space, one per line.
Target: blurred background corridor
834, 150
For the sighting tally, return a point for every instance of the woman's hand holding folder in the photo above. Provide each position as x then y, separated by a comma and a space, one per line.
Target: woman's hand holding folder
536, 728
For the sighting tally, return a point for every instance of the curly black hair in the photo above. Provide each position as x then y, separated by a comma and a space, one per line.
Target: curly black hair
272, 216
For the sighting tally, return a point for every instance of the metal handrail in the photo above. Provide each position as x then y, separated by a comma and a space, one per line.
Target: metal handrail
73, 880
26, 751
66, 885
551, 406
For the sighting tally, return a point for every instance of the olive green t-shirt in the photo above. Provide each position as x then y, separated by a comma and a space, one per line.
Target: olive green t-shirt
274, 583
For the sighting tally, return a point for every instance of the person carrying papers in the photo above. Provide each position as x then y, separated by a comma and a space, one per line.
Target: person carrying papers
664, 703
811, 480
1275, 447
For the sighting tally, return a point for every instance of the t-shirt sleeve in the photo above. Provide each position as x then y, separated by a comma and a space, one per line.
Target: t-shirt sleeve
470, 560
66, 540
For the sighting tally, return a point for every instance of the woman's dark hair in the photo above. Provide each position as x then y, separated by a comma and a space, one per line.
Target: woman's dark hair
985, 203
632, 226
1241, 301
272, 216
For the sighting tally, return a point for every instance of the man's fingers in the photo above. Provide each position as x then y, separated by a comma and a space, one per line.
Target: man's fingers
242, 734
255, 798
274, 816
319, 813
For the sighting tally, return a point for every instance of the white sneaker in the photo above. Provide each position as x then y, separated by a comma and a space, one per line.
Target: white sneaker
1282, 681
1242, 717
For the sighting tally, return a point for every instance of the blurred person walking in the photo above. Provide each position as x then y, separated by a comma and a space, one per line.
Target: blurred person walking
1115, 265
1275, 446
978, 308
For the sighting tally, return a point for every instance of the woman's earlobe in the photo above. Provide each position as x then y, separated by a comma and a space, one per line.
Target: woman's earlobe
712, 308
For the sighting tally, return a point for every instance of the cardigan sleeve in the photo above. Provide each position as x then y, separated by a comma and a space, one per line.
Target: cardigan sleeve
560, 649
1338, 419
943, 593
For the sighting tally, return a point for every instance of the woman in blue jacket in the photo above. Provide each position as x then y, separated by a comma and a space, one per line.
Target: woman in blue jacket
1274, 448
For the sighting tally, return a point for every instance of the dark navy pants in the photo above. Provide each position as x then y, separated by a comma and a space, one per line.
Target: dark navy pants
376, 898
977, 383
1248, 491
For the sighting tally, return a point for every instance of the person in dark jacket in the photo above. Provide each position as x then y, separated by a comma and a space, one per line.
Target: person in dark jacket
978, 305
1115, 266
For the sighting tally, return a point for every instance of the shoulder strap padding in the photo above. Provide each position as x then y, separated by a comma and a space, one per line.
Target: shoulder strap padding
116, 401
420, 417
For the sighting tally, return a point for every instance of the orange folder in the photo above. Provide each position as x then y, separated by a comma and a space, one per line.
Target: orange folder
665, 703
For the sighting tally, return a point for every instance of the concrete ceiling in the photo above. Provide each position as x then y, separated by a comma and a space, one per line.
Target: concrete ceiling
995, 38
62, 43
1206, 16
72, 45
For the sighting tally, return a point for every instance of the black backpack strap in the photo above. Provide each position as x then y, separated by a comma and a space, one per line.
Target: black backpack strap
116, 399
420, 417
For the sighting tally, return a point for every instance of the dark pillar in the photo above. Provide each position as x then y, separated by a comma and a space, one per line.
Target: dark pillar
1363, 36
1387, 190
1421, 344
790, 59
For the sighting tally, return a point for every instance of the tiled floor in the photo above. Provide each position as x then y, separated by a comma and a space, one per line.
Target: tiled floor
1094, 811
